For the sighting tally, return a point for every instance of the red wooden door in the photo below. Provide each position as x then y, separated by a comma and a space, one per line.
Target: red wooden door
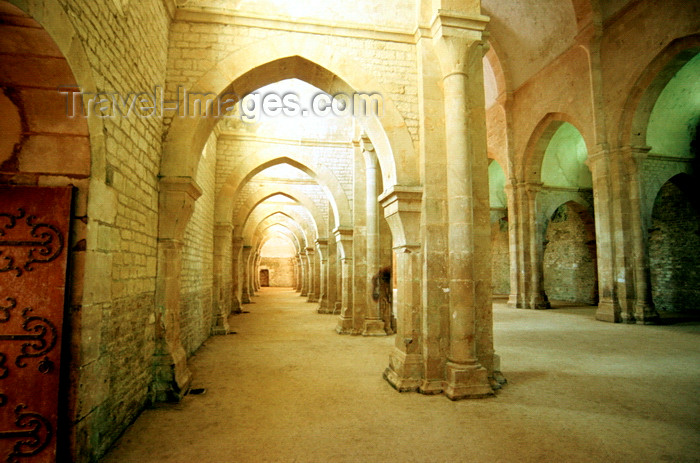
33, 254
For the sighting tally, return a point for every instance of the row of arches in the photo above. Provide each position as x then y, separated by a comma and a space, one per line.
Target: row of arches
556, 169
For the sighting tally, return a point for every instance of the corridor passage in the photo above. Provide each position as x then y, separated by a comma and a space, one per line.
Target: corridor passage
287, 388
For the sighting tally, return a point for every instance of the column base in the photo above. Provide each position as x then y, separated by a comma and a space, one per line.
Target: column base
404, 371
172, 380
303, 293
245, 299
431, 387
323, 305
646, 314
336, 308
466, 381
344, 326
608, 312
373, 327
513, 301
312, 298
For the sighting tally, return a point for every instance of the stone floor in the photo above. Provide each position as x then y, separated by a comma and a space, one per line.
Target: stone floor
287, 388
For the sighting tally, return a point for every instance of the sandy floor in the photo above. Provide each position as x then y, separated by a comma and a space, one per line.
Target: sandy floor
287, 388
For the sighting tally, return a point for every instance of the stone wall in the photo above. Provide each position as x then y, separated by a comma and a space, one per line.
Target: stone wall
125, 50
197, 278
674, 252
281, 271
569, 263
196, 47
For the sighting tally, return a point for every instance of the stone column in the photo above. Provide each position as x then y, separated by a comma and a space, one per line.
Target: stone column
236, 244
514, 245
343, 237
537, 299
313, 275
402, 209
644, 310
245, 272
222, 293
373, 323
460, 52
176, 201
322, 252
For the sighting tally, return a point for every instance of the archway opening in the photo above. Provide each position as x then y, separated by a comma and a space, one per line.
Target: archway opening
277, 261
45, 165
674, 247
570, 263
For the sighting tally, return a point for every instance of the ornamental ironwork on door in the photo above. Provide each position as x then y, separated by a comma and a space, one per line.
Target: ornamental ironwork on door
34, 225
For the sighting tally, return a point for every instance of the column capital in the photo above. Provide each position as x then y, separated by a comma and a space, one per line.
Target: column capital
223, 228
402, 209
342, 233
634, 155
455, 34
601, 152
176, 199
343, 236
532, 188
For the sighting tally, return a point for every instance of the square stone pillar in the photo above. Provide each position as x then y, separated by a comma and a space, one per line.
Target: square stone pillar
344, 239
402, 210
175, 206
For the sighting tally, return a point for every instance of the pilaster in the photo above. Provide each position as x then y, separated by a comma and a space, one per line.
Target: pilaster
175, 206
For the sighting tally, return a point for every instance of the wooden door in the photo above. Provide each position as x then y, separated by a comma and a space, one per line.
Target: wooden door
34, 225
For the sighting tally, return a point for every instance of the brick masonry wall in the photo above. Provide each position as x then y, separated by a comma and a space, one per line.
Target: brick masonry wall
197, 278
281, 270
674, 252
569, 265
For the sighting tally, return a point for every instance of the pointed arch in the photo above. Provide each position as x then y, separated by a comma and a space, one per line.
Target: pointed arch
275, 59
